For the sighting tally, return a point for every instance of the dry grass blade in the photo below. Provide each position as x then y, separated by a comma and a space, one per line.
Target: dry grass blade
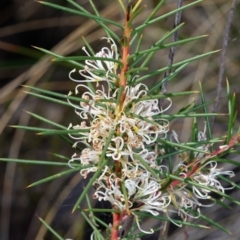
34, 74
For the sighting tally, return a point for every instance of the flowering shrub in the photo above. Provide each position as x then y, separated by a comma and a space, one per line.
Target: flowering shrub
127, 133
132, 156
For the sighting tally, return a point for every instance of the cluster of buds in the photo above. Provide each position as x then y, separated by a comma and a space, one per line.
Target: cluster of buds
126, 131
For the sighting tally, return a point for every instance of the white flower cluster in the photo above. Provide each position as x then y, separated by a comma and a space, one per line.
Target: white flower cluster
127, 135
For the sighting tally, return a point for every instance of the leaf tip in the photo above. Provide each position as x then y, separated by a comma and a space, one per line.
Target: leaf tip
35, 47
204, 226
39, 218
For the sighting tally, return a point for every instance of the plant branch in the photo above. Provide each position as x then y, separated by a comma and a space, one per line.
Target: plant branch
222, 59
172, 49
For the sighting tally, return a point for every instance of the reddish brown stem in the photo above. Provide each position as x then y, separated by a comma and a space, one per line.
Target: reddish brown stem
123, 82
115, 226
233, 141
176, 182
125, 54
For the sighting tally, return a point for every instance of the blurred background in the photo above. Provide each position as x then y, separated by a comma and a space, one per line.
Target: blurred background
27, 23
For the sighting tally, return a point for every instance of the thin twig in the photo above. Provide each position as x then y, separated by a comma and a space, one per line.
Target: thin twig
172, 49
222, 59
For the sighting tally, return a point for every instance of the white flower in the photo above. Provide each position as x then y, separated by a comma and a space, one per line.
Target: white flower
182, 200
86, 171
111, 193
133, 121
89, 156
117, 151
100, 130
82, 135
131, 169
206, 176
130, 185
149, 157
148, 195
134, 93
109, 68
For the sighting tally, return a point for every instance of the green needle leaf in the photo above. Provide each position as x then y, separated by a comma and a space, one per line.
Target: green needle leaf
83, 58
37, 162
55, 176
88, 15
74, 63
189, 60
50, 229
141, 27
90, 183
